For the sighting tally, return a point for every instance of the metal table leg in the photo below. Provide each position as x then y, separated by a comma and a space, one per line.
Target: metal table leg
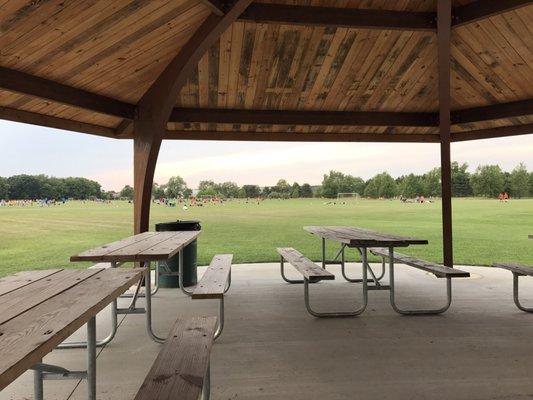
206, 390
324, 253
148, 299
38, 384
91, 359
342, 313
516, 297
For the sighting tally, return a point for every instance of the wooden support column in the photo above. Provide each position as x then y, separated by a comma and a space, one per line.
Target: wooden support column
444, 21
154, 108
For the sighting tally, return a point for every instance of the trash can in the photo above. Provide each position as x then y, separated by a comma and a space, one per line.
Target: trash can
189, 256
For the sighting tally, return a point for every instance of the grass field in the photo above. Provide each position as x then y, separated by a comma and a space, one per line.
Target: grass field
485, 230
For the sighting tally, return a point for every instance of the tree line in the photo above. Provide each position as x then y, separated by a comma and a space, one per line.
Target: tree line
485, 181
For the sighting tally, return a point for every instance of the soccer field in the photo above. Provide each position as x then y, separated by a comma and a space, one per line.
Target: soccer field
485, 230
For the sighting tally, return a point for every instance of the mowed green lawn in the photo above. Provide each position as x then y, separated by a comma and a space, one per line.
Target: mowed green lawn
485, 230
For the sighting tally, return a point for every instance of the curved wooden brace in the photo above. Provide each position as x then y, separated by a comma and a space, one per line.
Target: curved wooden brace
154, 108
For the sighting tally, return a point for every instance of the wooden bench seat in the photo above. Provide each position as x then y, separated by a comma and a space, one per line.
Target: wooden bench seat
181, 370
520, 269
215, 278
309, 270
440, 271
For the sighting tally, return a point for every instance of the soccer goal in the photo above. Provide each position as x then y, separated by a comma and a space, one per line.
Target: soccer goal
347, 196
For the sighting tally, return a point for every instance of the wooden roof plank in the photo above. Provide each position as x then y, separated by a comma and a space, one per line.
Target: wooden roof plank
480, 9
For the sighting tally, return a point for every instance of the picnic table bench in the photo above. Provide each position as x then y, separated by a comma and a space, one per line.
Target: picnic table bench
380, 244
40, 309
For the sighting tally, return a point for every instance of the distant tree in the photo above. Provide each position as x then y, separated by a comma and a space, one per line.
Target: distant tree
227, 189
411, 186
274, 195
127, 192
336, 182
187, 193
207, 184
306, 191
461, 185
242, 193
4, 189
251, 191
208, 191
175, 187
431, 183
488, 181
266, 191
519, 185
158, 191
295, 191
283, 187
531, 184
381, 185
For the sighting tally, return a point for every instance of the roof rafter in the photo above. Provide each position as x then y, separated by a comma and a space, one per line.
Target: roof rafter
490, 133
302, 137
493, 111
339, 17
216, 6
11, 114
483, 9
31, 85
291, 117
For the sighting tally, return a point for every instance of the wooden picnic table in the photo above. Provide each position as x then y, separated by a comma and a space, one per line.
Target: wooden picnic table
144, 248
40, 309
361, 239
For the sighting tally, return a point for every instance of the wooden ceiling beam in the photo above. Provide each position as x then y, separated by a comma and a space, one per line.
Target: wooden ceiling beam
26, 117
493, 111
339, 17
491, 133
31, 85
216, 6
483, 9
288, 117
302, 137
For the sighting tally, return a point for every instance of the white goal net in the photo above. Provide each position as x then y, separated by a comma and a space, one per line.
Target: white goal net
347, 196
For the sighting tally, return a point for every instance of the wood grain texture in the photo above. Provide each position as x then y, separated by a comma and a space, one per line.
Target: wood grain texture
303, 265
147, 246
359, 237
440, 271
26, 339
24, 278
180, 368
214, 280
25, 298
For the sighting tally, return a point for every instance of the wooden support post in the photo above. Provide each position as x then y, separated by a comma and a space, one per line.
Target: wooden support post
444, 22
146, 145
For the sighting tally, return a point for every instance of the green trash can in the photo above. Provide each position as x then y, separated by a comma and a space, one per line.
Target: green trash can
189, 256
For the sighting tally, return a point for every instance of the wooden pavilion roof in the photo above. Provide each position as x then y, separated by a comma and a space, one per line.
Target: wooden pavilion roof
283, 70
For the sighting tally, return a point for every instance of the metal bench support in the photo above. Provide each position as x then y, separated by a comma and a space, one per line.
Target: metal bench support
43, 371
516, 296
421, 311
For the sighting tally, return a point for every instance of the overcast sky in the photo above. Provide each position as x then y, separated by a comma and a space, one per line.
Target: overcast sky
28, 149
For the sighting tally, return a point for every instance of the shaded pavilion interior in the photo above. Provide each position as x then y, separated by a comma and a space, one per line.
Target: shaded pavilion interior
270, 70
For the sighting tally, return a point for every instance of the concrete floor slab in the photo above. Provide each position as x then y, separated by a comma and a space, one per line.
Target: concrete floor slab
482, 348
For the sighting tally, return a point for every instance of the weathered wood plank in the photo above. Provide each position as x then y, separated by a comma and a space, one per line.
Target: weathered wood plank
29, 296
26, 339
96, 253
24, 278
180, 368
306, 267
440, 271
358, 237
167, 248
213, 282
519, 269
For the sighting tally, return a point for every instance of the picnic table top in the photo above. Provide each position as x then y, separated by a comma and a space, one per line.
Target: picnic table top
359, 237
147, 246
40, 309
